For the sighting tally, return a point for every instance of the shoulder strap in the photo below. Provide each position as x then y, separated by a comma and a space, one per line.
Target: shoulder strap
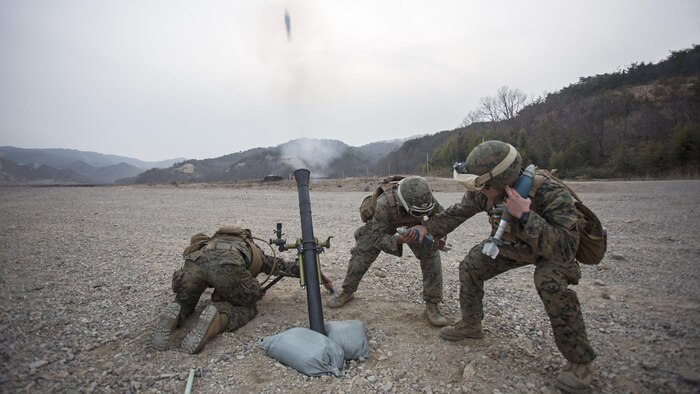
391, 201
256, 257
573, 193
392, 178
537, 181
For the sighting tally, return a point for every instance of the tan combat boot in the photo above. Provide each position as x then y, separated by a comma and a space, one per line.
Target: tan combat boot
340, 299
575, 378
168, 320
462, 330
432, 313
210, 323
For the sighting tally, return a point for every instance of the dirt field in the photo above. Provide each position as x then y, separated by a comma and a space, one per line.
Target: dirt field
83, 272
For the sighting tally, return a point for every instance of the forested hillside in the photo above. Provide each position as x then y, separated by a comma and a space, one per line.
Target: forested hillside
643, 120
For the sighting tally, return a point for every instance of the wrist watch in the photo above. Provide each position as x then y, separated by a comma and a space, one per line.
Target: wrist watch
524, 217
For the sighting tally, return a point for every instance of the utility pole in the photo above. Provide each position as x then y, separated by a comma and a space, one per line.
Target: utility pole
427, 165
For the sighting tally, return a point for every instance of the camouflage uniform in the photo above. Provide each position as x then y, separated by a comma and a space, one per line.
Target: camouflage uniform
377, 235
223, 263
548, 239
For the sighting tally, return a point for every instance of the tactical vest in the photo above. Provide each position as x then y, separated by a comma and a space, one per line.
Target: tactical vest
399, 217
593, 237
495, 218
230, 238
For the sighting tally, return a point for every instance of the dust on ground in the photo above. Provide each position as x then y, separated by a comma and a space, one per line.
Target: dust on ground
83, 272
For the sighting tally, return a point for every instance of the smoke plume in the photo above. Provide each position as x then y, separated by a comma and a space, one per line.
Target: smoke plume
315, 155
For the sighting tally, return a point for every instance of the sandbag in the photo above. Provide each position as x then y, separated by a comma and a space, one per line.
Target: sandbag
305, 350
351, 336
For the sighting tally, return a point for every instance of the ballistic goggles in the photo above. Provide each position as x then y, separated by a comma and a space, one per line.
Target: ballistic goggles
415, 210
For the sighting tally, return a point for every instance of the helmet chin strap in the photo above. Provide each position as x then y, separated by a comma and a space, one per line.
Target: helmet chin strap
476, 182
401, 199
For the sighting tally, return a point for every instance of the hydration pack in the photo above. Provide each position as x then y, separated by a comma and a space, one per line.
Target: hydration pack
593, 241
387, 187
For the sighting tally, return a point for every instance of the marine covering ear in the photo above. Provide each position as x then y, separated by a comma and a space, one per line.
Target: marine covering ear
476, 182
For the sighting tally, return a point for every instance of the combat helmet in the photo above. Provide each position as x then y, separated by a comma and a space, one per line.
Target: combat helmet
415, 196
491, 163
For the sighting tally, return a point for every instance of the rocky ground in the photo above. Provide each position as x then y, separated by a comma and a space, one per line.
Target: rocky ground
84, 270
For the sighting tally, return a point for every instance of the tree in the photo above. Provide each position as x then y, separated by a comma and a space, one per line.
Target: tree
655, 157
685, 144
504, 105
621, 163
510, 101
485, 112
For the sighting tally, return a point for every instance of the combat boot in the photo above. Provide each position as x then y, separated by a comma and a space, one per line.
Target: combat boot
432, 313
210, 323
340, 299
462, 330
575, 378
168, 320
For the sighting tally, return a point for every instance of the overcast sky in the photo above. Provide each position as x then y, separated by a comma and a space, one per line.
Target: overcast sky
156, 80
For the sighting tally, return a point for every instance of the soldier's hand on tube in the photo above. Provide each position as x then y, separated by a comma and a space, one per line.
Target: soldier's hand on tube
405, 238
514, 204
416, 233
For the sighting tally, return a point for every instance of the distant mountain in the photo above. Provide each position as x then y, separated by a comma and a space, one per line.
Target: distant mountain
63, 158
108, 174
324, 157
12, 173
412, 155
70, 166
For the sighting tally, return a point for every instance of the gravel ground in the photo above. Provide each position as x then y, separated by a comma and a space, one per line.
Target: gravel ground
84, 270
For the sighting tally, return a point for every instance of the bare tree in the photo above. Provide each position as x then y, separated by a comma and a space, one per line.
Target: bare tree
509, 101
504, 105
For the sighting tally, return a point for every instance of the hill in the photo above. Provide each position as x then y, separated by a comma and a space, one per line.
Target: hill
643, 120
70, 166
13, 173
325, 158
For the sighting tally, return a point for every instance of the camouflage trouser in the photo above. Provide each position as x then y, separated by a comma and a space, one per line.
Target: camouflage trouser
232, 282
551, 281
364, 253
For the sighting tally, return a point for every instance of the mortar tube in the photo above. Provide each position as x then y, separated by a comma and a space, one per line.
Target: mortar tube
309, 253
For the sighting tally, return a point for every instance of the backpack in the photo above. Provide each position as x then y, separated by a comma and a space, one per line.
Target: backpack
198, 241
593, 241
369, 203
